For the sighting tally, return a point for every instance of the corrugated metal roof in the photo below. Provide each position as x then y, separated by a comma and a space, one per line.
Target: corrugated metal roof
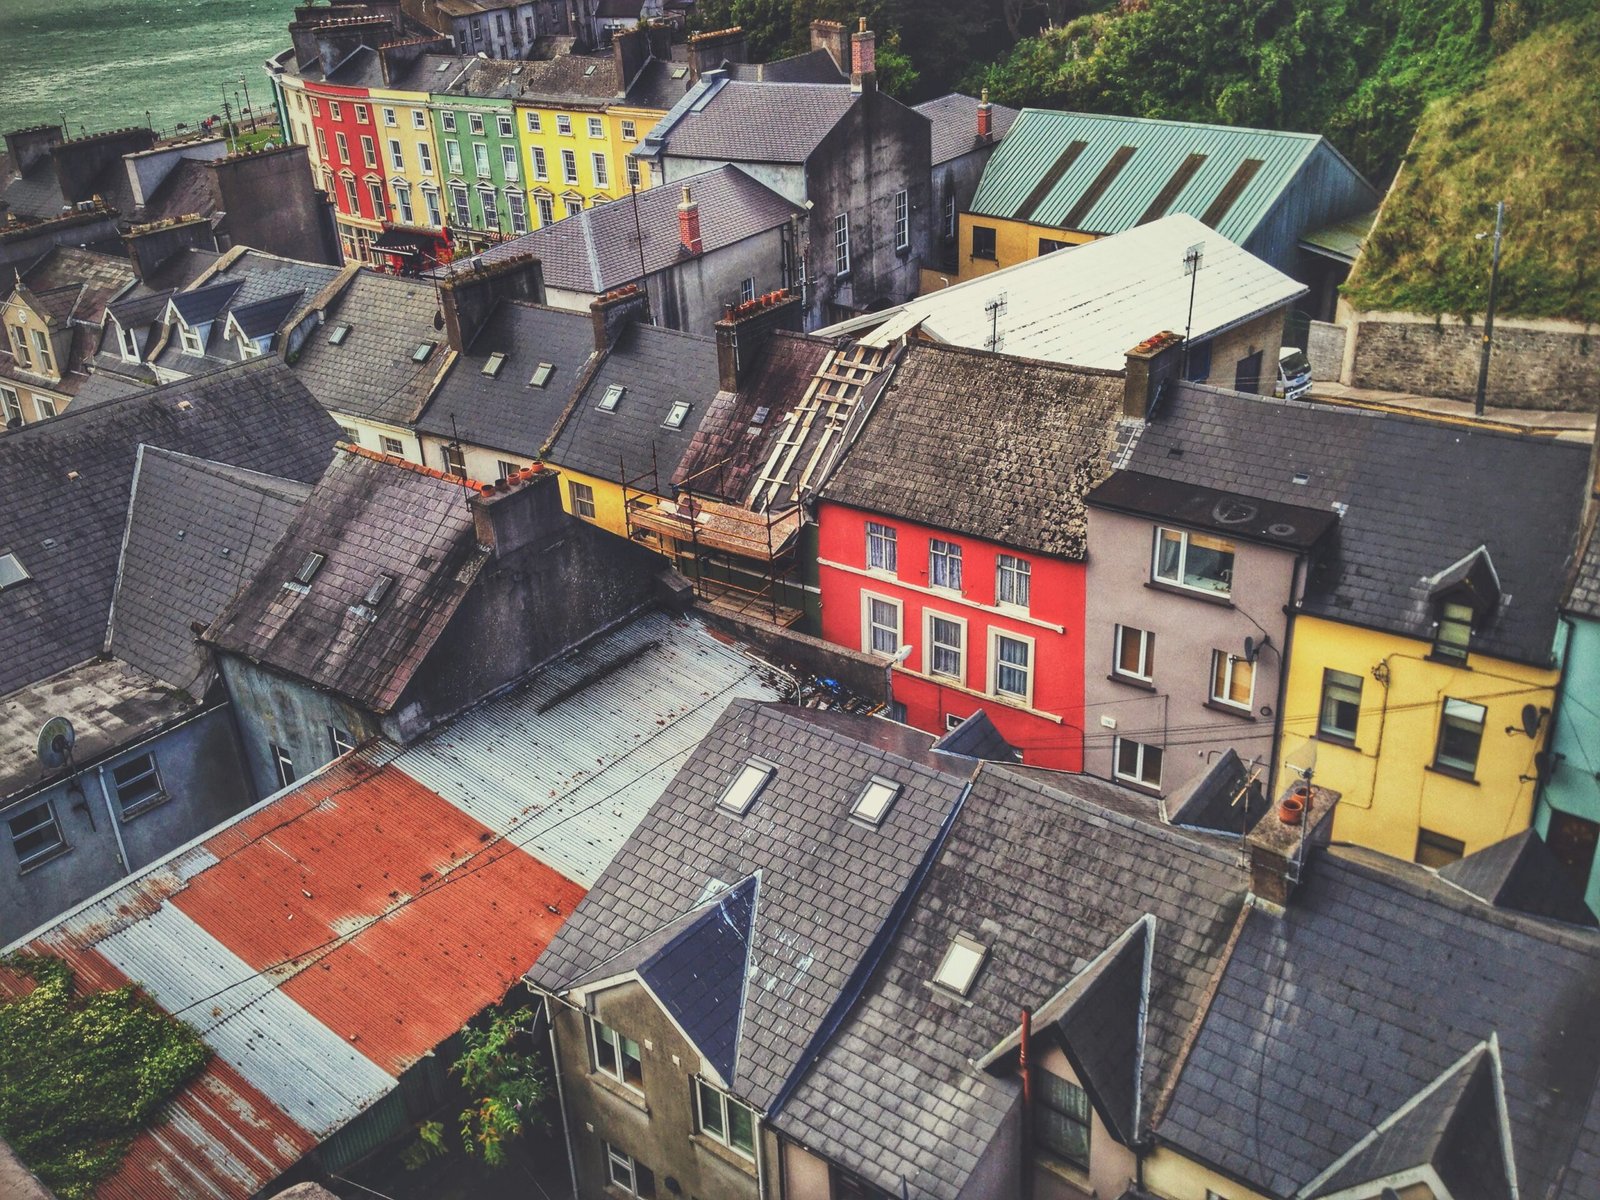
1343, 239
1160, 149
325, 939
1089, 305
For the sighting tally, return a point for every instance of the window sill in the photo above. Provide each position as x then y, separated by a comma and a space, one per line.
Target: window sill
724, 1154
1452, 773
621, 1091
1137, 785
1144, 685
1068, 1173
1155, 585
1231, 710
33, 864
1445, 660
1333, 739
144, 806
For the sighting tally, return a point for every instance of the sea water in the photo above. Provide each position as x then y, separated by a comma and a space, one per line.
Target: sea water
104, 64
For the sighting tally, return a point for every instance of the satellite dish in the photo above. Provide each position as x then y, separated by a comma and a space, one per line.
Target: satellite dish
1532, 718
1249, 649
55, 742
1304, 760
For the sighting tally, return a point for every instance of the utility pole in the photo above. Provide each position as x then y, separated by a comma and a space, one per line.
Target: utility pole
1488, 316
250, 108
227, 125
1192, 258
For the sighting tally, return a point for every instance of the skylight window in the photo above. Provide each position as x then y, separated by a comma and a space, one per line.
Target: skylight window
761, 415
678, 415
379, 589
747, 785
337, 335
961, 964
423, 352
492, 364
541, 374
309, 568
612, 398
679, 72
875, 800
12, 572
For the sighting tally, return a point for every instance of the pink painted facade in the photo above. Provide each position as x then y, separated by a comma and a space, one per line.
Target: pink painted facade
972, 646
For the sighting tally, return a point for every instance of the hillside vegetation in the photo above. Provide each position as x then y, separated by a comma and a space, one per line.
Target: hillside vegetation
1526, 135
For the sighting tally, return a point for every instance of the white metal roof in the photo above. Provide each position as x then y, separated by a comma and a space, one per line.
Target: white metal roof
1089, 305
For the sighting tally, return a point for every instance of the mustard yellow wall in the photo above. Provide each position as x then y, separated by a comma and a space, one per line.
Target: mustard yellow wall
1388, 785
611, 144
14, 314
405, 105
608, 511
1014, 242
1170, 1175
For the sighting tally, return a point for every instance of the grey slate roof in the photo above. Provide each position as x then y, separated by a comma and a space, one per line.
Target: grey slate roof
599, 248
1376, 979
67, 486
977, 737
659, 368
814, 66
371, 374
814, 923
1421, 495
369, 517
505, 411
1047, 877
1583, 594
197, 532
756, 122
261, 288
955, 125
1523, 874
1223, 799
988, 445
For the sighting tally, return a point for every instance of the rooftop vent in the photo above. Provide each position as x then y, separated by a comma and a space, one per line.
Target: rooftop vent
309, 568
875, 800
12, 572
612, 398
753, 776
678, 415
422, 353
588, 71
492, 365
961, 964
1301, 478
379, 589
541, 374
338, 334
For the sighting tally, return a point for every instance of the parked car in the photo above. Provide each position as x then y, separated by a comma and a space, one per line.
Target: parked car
1294, 373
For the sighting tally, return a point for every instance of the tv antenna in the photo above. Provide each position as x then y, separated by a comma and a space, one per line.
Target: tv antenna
1193, 258
994, 310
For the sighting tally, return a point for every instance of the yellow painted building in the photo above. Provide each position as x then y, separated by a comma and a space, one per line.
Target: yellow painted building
1429, 754
410, 158
986, 244
40, 347
576, 157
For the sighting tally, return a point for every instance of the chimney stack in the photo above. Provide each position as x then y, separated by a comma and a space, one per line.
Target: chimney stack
985, 118
1280, 844
520, 511
863, 59
148, 246
469, 297
709, 50
745, 329
24, 147
1151, 365
829, 36
612, 314
79, 161
689, 225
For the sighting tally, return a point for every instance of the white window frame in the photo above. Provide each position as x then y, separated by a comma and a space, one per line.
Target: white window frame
480, 160
191, 340
546, 206
597, 127
1185, 537
390, 118
282, 763
145, 769
510, 163
475, 124
1147, 653
447, 121
931, 646
885, 538
1032, 668
402, 199
46, 406
944, 559
1462, 714
1326, 726
335, 110
430, 201
619, 1044
950, 215
531, 121
721, 1103
634, 178
1015, 568
351, 196
505, 125
363, 117
397, 155
369, 151
128, 343
461, 205
424, 158
902, 219
629, 132
841, 245
10, 406
517, 210
569, 166
868, 625
1142, 752
376, 196
541, 168
747, 289
44, 852
563, 125
391, 445
582, 498
602, 175
1226, 665
419, 119
616, 1159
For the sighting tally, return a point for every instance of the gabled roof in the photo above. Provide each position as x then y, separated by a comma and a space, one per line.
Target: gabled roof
659, 369
977, 737
1105, 174
1521, 873
737, 121
815, 925
598, 249
262, 318
1089, 305
1416, 494
814, 66
204, 304
197, 532
506, 411
1044, 872
955, 125
369, 517
1228, 798
987, 445
67, 488
103, 277
1376, 980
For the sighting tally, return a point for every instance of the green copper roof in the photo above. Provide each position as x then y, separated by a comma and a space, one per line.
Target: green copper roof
1104, 174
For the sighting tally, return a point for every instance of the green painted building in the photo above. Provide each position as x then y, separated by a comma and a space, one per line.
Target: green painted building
485, 196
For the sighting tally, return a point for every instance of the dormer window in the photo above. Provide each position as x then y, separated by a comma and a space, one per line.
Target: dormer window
191, 340
875, 800
749, 783
961, 964
129, 342
1453, 634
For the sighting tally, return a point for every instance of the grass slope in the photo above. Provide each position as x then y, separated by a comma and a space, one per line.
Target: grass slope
1525, 135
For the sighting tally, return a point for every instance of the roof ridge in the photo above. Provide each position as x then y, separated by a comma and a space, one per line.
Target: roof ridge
920, 346
1293, 134
394, 460
259, 363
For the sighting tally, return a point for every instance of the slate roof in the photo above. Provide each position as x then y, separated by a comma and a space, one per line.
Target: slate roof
1583, 594
188, 189
505, 411
102, 278
815, 925
197, 532
372, 374
369, 517
1047, 877
67, 487
598, 249
1287, 526
1376, 979
1522, 873
659, 368
1421, 494
955, 125
1059, 169
977, 737
261, 288
814, 66
1224, 799
987, 445
753, 122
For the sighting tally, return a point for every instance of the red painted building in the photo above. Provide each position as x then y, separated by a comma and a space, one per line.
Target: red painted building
983, 592
348, 150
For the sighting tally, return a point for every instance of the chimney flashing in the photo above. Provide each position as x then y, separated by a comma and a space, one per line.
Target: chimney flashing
610, 315
745, 329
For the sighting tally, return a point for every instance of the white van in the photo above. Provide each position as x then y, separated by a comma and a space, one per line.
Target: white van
1294, 373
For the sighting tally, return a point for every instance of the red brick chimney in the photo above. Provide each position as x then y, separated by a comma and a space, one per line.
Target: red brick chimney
689, 225
864, 59
985, 118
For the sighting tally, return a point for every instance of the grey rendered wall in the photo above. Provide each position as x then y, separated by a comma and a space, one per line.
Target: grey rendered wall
203, 773
787, 179
690, 295
1173, 713
961, 175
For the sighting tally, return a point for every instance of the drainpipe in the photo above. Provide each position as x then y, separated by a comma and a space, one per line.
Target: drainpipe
1025, 1066
1543, 783
561, 1097
761, 1173
1284, 660
116, 826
